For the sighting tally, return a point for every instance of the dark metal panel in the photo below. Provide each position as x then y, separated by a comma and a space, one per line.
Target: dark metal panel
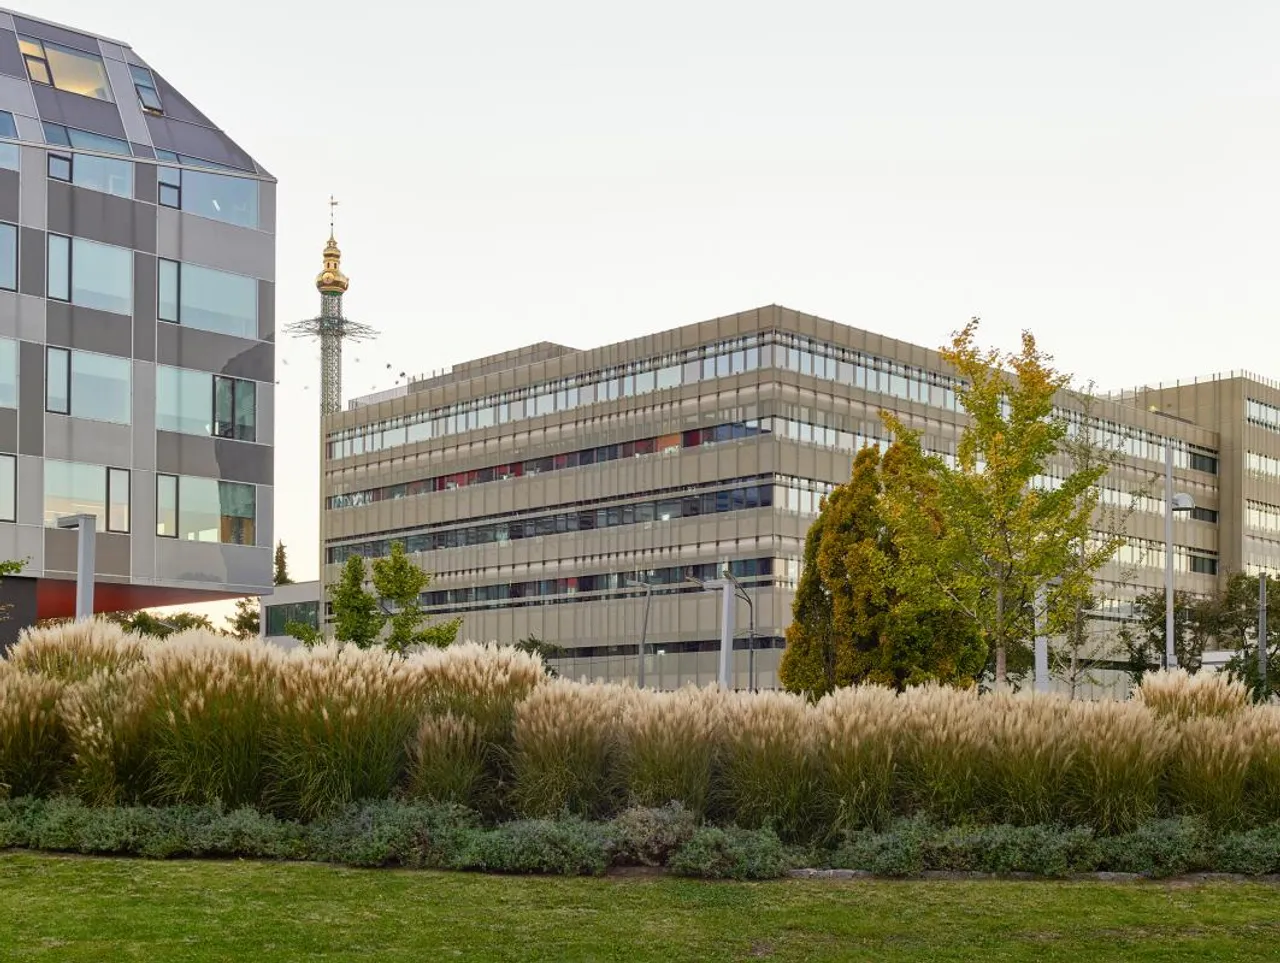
30, 398
8, 429
197, 141
217, 353
266, 310
81, 212
87, 329
47, 31
178, 454
10, 56
73, 110
144, 182
19, 596
31, 255
8, 195
144, 307
177, 106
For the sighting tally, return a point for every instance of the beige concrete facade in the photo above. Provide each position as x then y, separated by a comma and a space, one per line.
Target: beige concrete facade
535, 483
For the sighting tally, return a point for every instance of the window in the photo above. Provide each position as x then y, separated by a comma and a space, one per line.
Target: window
10, 155
67, 69
73, 488
234, 408
1203, 565
86, 385
1205, 463
8, 488
201, 297
205, 510
8, 257
217, 196
105, 174
279, 616
8, 373
145, 85
84, 140
1204, 514
90, 274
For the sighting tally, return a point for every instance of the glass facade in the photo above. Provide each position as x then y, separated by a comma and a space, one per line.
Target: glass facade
199, 403
222, 197
278, 617
8, 257
205, 510
105, 174
8, 373
87, 385
67, 69
1261, 413
84, 140
73, 488
10, 153
210, 300
90, 274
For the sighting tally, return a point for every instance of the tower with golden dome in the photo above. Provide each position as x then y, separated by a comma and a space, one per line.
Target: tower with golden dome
331, 326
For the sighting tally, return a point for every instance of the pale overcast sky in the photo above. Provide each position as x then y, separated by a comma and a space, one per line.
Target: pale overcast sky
1104, 173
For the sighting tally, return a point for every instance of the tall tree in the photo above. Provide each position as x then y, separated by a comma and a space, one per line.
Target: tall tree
543, 650
1004, 539
851, 624
245, 622
281, 576
161, 626
360, 616
1143, 638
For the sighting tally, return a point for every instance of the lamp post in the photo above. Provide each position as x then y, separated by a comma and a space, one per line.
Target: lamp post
87, 529
644, 625
1172, 503
727, 613
741, 592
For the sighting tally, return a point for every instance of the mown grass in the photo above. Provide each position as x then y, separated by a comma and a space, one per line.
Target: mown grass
77, 909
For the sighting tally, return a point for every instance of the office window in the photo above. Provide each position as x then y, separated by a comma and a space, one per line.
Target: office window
217, 196
87, 385
72, 70
8, 488
234, 408
8, 257
105, 174
210, 300
84, 140
184, 400
145, 85
90, 274
8, 373
74, 488
205, 510
10, 155
1203, 565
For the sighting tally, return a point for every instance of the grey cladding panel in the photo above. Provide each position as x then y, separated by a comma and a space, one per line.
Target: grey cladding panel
218, 353
8, 430
9, 196
178, 454
10, 55
144, 307
47, 31
144, 182
101, 217
177, 106
31, 252
30, 398
206, 142
88, 330
266, 310
60, 107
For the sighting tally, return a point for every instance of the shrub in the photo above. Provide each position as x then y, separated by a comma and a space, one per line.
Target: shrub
770, 763
900, 851
342, 719
1174, 694
669, 745
1158, 848
1253, 853
390, 833
732, 853
447, 760
1113, 775
943, 751
565, 748
212, 696
73, 651
649, 837
34, 749
568, 847
857, 755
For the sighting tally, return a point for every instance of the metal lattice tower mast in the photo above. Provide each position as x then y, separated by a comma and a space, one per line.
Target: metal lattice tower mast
331, 327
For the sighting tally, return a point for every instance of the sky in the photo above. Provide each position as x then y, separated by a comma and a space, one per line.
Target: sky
1101, 173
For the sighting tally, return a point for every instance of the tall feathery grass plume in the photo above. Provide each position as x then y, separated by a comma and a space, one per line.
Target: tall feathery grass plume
857, 754
770, 768
213, 698
109, 719
34, 749
1026, 755
1116, 766
341, 723
943, 751
73, 651
670, 743
447, 762
1176, 694
1208, 767
565, 748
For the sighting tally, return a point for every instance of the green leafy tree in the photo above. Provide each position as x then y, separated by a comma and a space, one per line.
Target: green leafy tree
1003, 537
161, 626
850, 622
245, 622
360, 616
304, 632
281, 576
9, 567
1143, 638
543, 650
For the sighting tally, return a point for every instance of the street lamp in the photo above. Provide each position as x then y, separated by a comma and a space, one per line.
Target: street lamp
727, 613
644, 624
741, 592
87, 526
1179, 502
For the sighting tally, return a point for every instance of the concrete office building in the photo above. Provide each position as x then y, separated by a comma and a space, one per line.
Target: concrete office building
537, 483
137, 260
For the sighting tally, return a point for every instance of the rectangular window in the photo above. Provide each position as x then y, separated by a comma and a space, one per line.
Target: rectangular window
1202, 565
167, 506
8, 373
117, 500
67, 69
205, 509
90, 274
217, 196
210, 300
234, 408
1204, 514
8, 257
73, 488
10, 155
86, 385
184, 401
84, 140
8, 488
145, 85
105, 174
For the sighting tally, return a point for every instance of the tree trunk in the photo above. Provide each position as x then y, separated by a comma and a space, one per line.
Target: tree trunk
1001, 655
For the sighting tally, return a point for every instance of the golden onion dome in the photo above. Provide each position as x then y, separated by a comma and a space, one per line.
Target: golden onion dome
331, 280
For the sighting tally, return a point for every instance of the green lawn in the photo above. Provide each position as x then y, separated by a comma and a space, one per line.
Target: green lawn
63, 908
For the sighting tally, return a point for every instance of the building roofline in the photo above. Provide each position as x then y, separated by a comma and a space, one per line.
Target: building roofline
66, 27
